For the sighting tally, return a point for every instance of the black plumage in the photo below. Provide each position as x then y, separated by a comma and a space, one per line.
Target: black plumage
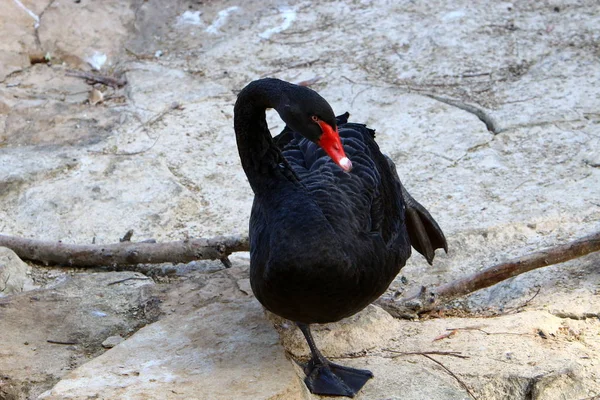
324, 243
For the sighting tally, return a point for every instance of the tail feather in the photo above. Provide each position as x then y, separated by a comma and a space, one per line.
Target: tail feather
423, 231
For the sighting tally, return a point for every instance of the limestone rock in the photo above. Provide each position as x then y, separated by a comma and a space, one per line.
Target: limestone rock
76, 32
14, 273
490, 112
221, 349
372, 328
112, 341
47, 332
17, 27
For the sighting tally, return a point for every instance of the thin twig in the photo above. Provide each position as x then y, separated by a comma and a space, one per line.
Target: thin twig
464, 385
309, 82
226, 262
127, 236
132, 278
473, 75
60, 342
301, 64
427, 354
305, 31
358, 94
456, 354
539, 289
154, 119
96, 78
446, 335
135, 153
298, 42
468, 328
140, 56
591, 164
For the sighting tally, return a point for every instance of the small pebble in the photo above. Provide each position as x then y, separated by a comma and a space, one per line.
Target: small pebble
112, 341
95, 97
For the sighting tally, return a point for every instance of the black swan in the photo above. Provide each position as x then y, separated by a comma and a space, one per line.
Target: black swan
331, 224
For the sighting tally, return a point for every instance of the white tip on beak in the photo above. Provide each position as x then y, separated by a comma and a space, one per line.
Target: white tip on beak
346, 164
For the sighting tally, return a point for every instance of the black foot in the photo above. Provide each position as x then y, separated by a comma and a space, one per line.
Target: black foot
334, 380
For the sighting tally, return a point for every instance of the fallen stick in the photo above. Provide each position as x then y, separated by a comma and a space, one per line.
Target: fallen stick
219, 248
124, 253
430, 299
115, 83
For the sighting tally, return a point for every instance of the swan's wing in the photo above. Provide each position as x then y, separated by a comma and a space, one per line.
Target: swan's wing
364, 201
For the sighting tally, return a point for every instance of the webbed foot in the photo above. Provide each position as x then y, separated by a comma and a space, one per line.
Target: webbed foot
326, 378
334, 380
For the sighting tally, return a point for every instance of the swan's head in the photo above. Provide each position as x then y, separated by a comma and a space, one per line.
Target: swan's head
309, 114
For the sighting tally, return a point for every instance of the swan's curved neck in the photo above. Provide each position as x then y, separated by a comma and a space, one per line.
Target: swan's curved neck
258, 153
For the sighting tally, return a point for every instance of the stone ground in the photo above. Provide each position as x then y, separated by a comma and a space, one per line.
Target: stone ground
490, 111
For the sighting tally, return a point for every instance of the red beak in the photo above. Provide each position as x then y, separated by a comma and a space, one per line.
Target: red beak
332, 144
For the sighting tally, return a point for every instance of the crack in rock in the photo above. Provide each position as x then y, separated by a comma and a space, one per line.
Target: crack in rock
482, 114
38, 23
576, 316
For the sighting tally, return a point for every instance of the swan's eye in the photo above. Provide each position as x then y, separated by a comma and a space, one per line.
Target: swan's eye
315, 118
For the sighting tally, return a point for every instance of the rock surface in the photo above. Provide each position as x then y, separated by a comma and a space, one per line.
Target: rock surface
14, 273
490, 112
215, 343
112, 341
48, 332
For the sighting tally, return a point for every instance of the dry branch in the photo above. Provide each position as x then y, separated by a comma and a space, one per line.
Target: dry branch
115, 83
219, 248
124, 253
429, 299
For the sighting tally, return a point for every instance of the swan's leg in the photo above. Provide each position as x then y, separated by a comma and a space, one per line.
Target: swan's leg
326, 378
